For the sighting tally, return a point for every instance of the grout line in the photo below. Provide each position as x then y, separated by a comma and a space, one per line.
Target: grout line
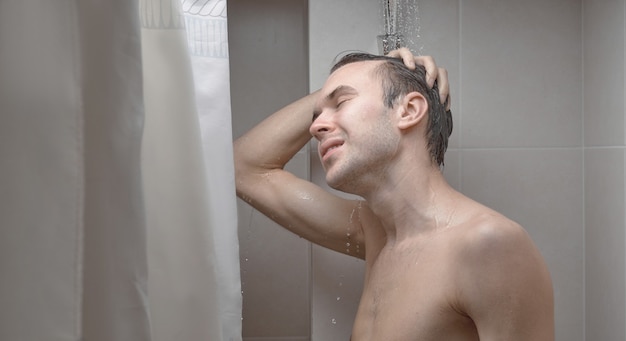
624, 108
583, 151
603, 147
522, 148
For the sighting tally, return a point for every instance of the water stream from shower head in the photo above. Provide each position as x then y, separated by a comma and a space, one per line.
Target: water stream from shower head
400, 25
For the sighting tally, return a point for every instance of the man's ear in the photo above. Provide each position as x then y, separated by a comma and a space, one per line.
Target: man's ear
414, 110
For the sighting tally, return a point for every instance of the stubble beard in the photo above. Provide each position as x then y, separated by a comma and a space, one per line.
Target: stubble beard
362, 169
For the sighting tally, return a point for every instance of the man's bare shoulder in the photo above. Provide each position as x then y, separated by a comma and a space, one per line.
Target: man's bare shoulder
488, 241
488, 231
503, 283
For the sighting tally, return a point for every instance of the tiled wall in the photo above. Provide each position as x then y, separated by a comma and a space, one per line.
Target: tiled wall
269, 68
540, 135
604, 140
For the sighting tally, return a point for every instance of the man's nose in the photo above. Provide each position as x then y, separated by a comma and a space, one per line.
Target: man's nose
320, 126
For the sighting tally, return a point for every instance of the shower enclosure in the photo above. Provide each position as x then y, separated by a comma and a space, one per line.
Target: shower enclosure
538, 104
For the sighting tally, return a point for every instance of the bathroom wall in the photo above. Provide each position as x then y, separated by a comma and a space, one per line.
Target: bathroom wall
540, 135
269, 69
604, 121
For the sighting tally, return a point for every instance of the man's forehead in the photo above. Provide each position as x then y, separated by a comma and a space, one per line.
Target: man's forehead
350, 79
362, 66
353, 72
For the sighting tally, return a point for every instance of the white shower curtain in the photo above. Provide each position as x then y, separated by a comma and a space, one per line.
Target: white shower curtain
109, 224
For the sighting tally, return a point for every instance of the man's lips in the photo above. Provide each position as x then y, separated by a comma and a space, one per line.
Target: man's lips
328, 146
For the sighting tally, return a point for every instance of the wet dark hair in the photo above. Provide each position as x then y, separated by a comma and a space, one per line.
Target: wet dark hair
397, 81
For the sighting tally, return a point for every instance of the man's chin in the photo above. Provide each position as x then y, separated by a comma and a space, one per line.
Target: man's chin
333, 182
337, 183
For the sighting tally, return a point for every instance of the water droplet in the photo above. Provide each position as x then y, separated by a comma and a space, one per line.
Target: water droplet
351, 215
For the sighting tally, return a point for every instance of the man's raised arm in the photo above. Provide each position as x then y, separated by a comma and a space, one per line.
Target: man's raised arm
296, 204
299, 205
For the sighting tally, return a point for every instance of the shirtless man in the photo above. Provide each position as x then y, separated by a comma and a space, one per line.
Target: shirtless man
439, 266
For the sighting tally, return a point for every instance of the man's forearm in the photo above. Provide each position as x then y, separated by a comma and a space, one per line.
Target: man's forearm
274, 141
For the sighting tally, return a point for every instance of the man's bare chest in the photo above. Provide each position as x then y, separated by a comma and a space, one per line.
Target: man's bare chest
410, 295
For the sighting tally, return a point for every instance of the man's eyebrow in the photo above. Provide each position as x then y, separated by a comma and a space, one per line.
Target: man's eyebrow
338, 91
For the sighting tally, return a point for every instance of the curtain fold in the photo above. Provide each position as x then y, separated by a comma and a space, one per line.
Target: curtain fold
109, 224
114, 266
207, 39
190, 186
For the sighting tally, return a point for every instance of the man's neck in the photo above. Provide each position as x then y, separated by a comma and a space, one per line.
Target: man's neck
412, 204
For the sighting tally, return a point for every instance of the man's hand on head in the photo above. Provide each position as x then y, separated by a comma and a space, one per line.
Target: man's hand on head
433, 73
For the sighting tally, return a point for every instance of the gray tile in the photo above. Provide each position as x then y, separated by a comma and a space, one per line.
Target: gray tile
339, 26
605, 249
452, 168
520, 73
336, 291
439, 34
275, 264
275, 277
542, 190
604, 39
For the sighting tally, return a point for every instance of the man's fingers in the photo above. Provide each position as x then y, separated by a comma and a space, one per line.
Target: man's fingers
406, 55
432, 72
444, 87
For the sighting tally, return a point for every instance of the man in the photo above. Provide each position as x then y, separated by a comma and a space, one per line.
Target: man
439, 266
